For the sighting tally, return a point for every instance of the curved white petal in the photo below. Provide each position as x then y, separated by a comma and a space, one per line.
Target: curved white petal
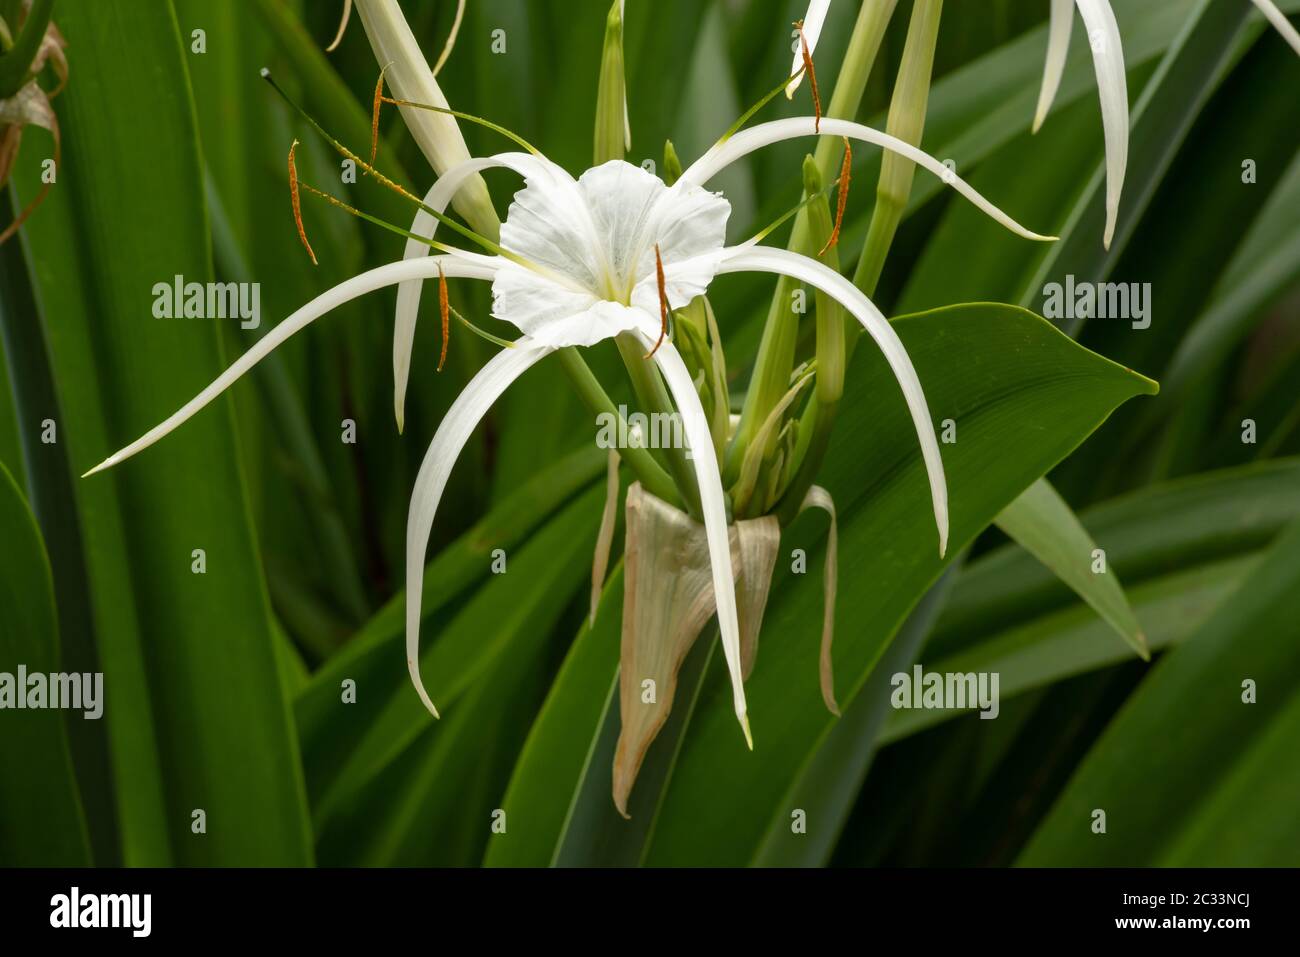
745, 142
1280, 22
548, 223
712, 504
813, 21
590, 240
453, 432
632, 210
594, 320
463, 266
1112, 89
1058, 44
408, 293
785, 263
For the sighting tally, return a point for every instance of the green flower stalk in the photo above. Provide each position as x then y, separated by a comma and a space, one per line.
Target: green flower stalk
613, 137
774, 362
906, 121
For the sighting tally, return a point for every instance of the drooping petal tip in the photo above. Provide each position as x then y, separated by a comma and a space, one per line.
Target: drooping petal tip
419, 688
744, 726
1058, 44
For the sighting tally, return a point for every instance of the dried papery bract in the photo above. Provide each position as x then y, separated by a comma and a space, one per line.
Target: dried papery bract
30, 105
818, 497
668, 598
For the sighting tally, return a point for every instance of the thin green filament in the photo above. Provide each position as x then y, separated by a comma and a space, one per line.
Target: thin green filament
749, 113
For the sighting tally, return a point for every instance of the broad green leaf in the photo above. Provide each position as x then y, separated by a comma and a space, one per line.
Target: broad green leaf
41, 823
558, 754
1166, 528
1066, 643
1023, 396
195, 712
594, 832
1186, 545
11, 449
1264, 265
511, 619
828, 784
1046, 527
49, 490
1185, 773
339, 742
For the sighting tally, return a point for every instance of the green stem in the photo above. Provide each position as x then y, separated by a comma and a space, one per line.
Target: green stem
819, 417
651, 475
654, 400
775, 361
907, 110
906, 120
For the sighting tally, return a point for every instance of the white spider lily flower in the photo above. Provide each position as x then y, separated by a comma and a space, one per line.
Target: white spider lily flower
590, 244
813, 22
578, 267
1112, 86
1280, 22
409, 77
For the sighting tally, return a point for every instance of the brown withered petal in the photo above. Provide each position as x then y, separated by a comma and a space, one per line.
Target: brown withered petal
667, 600
30, 106
818, 497
754, 547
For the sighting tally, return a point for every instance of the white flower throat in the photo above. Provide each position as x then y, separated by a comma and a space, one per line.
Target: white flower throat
598, 233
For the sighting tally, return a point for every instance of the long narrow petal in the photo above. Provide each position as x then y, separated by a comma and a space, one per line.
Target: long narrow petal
464, 266
785, 263
453, 432
745, 142
1112, 89
1058, 44
1279, 20
813, 22
712, 503
408, 293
